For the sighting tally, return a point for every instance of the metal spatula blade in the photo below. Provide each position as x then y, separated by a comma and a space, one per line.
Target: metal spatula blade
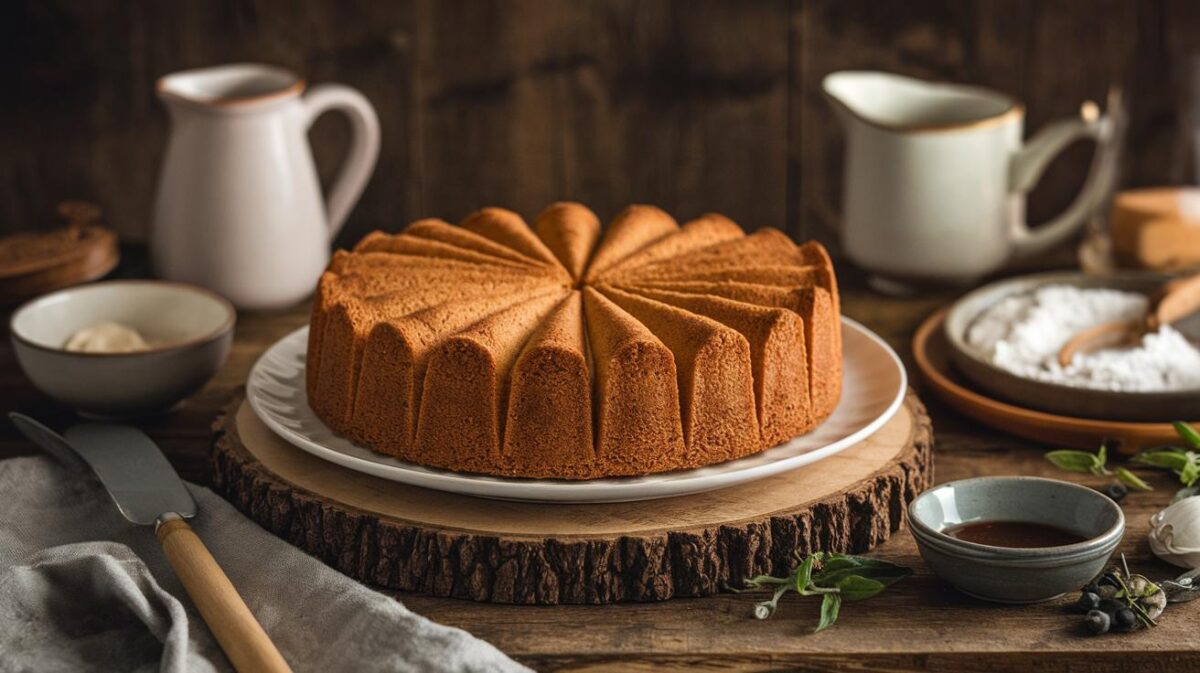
147, 491
50, 441
134, 470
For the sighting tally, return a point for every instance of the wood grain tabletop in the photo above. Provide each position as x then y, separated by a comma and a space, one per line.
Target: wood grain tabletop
918, 624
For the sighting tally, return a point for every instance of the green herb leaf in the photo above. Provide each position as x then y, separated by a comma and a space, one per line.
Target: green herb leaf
1076, 461
1171, 460
1132, 480
763, 581
804, 574
841, 562
1191, 471
857, 587
1188, 433
830, 605
833, 576
880, 571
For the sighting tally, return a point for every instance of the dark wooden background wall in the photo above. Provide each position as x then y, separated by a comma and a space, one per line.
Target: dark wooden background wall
693, 105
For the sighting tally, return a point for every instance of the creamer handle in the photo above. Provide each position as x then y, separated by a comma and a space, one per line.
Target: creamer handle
1028, 164
364, 146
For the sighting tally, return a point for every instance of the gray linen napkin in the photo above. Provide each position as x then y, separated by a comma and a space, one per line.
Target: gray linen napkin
82, 589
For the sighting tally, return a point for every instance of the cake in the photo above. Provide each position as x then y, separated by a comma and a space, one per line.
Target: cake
571, 351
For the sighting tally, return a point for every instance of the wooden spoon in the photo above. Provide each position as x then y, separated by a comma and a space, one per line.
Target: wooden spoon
1174, 301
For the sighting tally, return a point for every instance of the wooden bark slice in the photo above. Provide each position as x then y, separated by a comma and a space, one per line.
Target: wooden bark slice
413, 539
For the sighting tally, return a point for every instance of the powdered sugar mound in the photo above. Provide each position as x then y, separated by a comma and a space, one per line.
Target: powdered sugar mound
1023, 334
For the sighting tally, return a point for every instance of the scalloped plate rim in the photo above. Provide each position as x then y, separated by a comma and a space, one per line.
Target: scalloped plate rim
612, 489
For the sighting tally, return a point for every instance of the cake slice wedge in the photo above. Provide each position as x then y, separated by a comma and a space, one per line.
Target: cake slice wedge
777, 353
408, 244
354, 277
769, 274
389, 389
815, 305
466, 388
631, 230
508, 228
440, 230
763, 247
548, 432
635, 393
715, 377
700, 233
570, 230
346, 328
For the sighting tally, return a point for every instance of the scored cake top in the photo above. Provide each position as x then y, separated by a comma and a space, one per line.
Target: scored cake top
571, 350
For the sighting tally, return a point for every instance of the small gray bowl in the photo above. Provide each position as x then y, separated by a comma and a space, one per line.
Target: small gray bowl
1015, 575
1057, 398
194, 325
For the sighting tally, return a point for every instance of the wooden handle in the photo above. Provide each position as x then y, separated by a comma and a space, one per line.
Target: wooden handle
239, 633
1099, 336
1180, 298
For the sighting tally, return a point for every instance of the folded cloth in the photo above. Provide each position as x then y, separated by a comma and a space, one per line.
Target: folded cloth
82, 589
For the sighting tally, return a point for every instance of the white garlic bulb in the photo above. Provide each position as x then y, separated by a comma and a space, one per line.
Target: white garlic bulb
1175, 533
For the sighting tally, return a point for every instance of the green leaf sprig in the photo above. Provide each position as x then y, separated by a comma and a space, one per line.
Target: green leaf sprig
1097, 464
834, 577
1184, 461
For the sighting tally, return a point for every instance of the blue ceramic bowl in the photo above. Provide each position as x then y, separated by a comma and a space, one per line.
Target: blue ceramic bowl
1015, 575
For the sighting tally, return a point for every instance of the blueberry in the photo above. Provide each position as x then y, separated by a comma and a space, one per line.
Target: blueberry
1111, 606
1115, 491
1125, 619
1087, 601
1097, 621
1109, 579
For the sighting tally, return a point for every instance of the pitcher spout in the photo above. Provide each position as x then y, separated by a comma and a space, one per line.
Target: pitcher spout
237, 86
905, 104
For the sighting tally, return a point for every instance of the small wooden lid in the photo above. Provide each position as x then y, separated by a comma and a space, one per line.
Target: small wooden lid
32, 263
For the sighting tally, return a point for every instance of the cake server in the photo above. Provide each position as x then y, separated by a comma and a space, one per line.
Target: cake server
147, 491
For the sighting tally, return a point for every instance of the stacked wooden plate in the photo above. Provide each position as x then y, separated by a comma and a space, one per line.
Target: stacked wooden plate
34, 263
1049, 414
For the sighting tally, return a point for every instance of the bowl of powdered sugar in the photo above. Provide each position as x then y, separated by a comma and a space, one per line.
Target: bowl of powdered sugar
1006, 337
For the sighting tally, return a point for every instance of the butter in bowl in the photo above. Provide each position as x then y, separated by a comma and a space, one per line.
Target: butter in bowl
1015, 539
123, 349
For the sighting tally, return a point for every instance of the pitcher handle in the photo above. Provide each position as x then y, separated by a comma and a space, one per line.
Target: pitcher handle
364, 146
1028, 164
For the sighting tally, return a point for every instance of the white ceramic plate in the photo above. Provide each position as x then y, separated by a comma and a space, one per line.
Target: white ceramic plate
873, 388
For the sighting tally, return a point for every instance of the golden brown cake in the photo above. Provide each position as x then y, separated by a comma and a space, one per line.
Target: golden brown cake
570, 230
563, 351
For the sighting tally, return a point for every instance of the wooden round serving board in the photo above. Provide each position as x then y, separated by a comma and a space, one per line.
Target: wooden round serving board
414, 539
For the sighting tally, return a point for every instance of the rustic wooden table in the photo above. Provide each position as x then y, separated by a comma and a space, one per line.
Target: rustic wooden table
918, 624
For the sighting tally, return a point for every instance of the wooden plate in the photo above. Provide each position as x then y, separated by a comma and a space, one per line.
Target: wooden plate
932, 354
32, 264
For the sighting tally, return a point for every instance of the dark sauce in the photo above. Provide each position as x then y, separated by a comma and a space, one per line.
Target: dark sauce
1016, 534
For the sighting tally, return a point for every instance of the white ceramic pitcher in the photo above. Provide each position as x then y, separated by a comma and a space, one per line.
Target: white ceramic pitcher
239, 207
936, 177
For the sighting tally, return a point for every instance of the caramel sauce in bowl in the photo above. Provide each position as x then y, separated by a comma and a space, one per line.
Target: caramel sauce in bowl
1015, 539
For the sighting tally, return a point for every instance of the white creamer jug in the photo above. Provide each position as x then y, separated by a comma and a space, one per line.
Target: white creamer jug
936, 177
239, 207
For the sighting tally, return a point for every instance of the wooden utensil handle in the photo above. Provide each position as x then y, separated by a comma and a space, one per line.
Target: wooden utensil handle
239, 633
1180, 298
